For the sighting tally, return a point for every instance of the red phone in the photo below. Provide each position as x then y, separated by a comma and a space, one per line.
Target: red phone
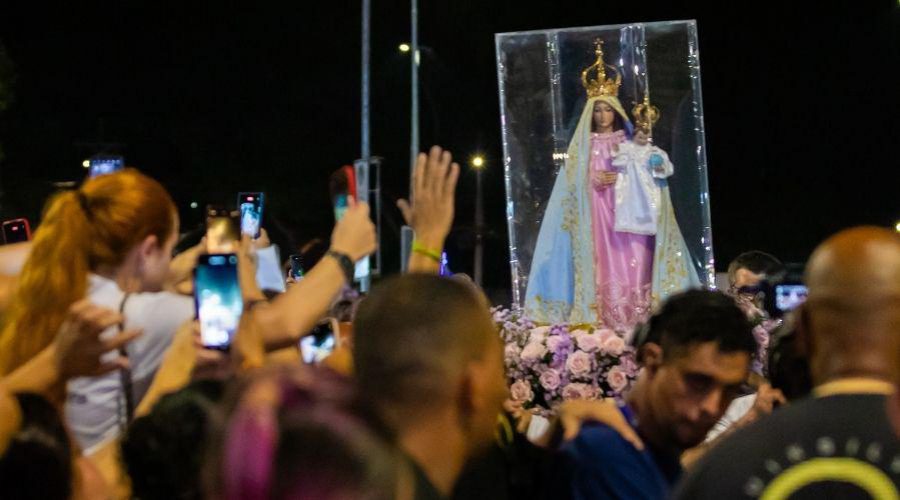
16, 230
343, 188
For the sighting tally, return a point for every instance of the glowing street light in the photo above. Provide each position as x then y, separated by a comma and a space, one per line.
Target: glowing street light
897, 226
194, 204
477, 162
404, 47
86, 164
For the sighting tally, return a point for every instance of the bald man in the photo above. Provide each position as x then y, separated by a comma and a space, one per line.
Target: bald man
838, 443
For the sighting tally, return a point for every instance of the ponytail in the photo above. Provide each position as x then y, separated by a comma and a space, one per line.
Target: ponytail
96, 225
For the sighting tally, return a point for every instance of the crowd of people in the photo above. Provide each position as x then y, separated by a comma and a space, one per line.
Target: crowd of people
106, 390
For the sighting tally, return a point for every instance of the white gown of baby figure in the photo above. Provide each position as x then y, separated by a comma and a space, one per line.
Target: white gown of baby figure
643, 169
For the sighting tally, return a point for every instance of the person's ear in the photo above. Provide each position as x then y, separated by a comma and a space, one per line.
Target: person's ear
651, 356
149, 246
466, 398
472, 394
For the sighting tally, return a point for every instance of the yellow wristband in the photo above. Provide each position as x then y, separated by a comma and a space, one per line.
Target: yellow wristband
428, 252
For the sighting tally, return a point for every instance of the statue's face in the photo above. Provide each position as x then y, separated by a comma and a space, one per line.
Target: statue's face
604, 117
641, 137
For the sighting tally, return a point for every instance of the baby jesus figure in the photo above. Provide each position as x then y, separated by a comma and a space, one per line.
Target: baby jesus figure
642, 170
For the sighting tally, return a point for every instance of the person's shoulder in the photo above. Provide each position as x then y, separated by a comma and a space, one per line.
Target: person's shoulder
598, 441
792, 422
159, 300
158, 308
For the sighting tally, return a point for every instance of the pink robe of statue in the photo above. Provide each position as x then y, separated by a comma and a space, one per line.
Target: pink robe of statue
623, 262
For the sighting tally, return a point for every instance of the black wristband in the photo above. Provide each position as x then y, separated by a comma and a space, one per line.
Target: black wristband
345, 263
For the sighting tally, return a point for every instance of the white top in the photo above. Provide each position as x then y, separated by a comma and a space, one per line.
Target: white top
736, 410
95, 406
638, 187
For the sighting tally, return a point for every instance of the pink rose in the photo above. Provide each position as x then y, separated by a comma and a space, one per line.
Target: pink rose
578, 391
605, 333
579, 363
538, 334
575, 334
511, 352
533, 352
617, 379
550, 379
614, 345
521, 392
589, 342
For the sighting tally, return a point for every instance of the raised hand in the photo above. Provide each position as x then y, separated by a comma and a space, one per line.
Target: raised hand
434, 189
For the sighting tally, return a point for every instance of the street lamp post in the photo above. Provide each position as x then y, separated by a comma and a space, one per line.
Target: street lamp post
477, 163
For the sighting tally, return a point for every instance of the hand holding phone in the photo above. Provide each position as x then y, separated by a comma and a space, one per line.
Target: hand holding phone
354, 234
217, 299
342, 186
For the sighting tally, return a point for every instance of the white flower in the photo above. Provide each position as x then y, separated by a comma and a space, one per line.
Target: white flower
539, 334
533, 352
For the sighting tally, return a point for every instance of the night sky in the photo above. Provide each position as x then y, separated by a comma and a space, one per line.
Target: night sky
800, 107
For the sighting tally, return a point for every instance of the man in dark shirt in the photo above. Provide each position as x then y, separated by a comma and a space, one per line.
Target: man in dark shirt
429, 363
696, 354
839, 442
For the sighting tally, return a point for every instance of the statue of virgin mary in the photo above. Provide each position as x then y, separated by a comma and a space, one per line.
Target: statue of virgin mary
583, 270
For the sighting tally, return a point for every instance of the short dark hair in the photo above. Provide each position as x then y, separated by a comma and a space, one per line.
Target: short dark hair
413, 334
38, 461
700, 316
163, 451
756, 262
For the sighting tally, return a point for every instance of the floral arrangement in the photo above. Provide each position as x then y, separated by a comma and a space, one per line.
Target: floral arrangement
546, 365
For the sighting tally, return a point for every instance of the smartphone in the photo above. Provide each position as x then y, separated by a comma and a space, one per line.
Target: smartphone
250, 206
343, 189
102, 165
222, 234
296, 267
16, 230
790, 295
217, 299
320, 343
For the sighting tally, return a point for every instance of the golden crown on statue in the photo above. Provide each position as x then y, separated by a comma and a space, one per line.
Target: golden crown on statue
645, 114
594, 76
